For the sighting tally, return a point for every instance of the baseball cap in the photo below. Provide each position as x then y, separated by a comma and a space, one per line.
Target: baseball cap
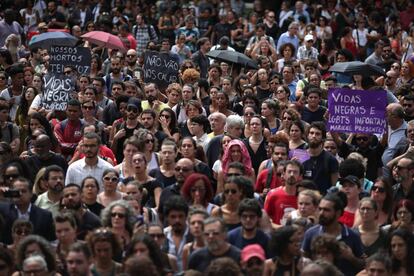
308, 37
251, 251
350, 178
134, 102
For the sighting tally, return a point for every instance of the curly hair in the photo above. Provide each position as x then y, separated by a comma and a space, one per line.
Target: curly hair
45, 249
104, 235
141, 135
191, 75
129, 214
190, 182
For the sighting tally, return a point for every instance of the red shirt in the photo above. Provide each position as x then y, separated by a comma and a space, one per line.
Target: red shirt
69, 136
347, 218
278, 204
262, 178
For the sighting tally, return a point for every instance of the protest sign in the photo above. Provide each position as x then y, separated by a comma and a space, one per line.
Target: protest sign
57, 92
357, 111
161, 68
78, 57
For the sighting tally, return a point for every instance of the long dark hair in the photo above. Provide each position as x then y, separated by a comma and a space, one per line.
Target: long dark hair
408, 239
24, 106
46, 125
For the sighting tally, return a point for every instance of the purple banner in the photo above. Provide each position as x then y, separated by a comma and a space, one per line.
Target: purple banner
357, 111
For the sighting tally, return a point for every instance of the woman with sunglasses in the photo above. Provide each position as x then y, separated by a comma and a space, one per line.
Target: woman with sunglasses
288, 116
119, 217
110, 193
168, 124
21, 228
148, 144
89, 113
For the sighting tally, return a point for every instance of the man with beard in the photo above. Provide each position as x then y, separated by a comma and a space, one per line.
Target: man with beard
101, 100
79, 260
55, 19
132, 67
115, 75
148, 120
177, 233
85, 219
43, 156
215, 234
252, 260
283, 200
22, 208
390, 81
152, 94
322, 167
183, 168
331, 208
55, 179
408, 105
248, 233
403, 174
91, 164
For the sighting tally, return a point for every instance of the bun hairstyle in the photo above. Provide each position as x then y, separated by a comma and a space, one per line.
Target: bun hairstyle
338, 198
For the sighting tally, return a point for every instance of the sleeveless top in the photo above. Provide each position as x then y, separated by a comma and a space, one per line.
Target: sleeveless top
228, 225
262, 94
282, 268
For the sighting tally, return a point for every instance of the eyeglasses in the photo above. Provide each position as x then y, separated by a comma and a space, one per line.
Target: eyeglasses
149, 141
166, 116
182, 169
21, 232
233, 174
158, 236
88, 107
280, 91
400, 168
378, 189
112, 179
7, 176
361, 139
119, 215
132, 109
230, 191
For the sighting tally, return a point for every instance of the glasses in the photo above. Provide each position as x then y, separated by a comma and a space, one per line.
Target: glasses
280, 91
182, 169
166, 116
395, 67
230, 191
287, 118
158, 236
88, 107
149, 141
361, 139
21, 232
119, 215
132, 109
378, 189
8, 176
233, 174
400, 168
112, 179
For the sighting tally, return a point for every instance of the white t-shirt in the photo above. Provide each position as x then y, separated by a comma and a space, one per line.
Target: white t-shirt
361, 38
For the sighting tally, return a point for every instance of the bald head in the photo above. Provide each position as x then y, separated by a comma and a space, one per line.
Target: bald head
42, 145
395, 115
183, 168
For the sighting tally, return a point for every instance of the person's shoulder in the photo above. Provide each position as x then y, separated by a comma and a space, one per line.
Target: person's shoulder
313, 230
235, 232
40, 211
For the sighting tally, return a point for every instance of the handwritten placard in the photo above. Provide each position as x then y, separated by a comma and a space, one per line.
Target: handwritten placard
58, 90
357, 111
61, 56
161, 68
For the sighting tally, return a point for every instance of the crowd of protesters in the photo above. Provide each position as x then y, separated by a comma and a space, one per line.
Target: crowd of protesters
230, 171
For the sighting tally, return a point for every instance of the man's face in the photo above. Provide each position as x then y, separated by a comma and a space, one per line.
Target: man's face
206, 46
330, 84
18, 79
132, 112
103, 251
90, 147
386, 52
214, 236
235, 131
408, 107
279, 153
410, 133
77, 264
292, 175
65, 232
287, 74
71, 198
42, 147
117, 90
217, 124
314, 137
147, 121
376, 268
391, 78
165, 46
362, 140
73, 112
177, 220
56, 181
98, 86
51, 7
402, 171
249, 220
116, 65
331, 147
327, 213
168, 154
183, 169
131, 57
271, 17
151, 93
25, 193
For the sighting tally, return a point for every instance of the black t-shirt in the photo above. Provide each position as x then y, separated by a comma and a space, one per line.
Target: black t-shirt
313, 116
34, 163
95, 208
200, 259
165, 181
149, 200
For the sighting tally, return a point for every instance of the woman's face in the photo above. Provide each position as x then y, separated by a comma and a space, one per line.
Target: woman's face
90, 191
378, 191
294, 244
235, 153
187, 149
140, 249
232, 193
3, 80
405, 69
88, 109
256, 125
264, 48
196, 225
123, 109
35, 124
30, 94
226, 85
247, 114
213, 94
94, 63
265, 110
157, 235
262, 75
110, 182
198, 192
28, 77
139, 163
286, 120
32, 249
287, 52
224, 67
118, 217
221, 100
149, 143
398, 248
295, 133
174, 97
20, 233
192, 111
281, 94
367, 212
129, 151
103, 251
306, 207
37, 82
224, 143
213, 73
404, 215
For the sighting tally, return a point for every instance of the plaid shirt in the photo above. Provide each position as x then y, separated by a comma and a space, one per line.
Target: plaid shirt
304, 53
143, 35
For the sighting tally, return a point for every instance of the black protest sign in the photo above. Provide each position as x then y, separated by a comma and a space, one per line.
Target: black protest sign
78, 57
161, 68
58, 90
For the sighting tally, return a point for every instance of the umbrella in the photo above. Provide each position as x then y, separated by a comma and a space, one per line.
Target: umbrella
46, 40
357, 68
104, 39
233, 57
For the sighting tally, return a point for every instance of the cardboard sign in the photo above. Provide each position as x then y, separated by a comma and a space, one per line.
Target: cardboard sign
57, 93
357, 111
79, 57
161, 68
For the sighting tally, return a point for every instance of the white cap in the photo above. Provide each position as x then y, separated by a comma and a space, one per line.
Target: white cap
308, 37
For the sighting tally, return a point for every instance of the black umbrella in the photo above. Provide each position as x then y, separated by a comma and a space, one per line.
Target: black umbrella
233, 57
357, 68
46, 40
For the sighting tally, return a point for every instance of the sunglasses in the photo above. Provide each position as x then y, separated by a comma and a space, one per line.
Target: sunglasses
378, 189
165, 116
11, 176
131, 56
287, 118
254, 262
249, 114
21, 232
112, 179
233, 174
149, 141
183, 169
362, 139
132, 109
119, 215
158, 236
230, 191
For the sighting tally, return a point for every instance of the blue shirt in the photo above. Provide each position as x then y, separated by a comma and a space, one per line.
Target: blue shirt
286, 38
348, 236
235, 238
